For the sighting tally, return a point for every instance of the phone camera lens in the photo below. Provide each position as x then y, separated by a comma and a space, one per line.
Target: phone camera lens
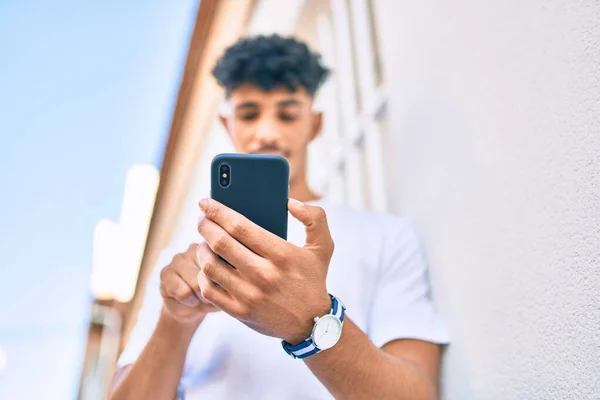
224, 175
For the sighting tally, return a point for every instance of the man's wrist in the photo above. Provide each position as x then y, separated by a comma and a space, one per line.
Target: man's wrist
304, 329
173, 326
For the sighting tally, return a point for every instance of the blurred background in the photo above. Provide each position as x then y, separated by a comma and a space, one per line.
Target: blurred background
478, 120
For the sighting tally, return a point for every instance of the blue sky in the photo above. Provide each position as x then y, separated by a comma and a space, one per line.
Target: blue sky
86, 91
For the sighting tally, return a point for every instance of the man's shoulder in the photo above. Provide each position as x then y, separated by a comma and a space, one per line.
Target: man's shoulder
381, 221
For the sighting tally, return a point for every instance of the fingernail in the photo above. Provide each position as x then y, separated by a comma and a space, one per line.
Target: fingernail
295, 202
199, 220
198, 256
203, 204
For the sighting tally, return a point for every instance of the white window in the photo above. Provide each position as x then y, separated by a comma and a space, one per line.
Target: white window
346, 162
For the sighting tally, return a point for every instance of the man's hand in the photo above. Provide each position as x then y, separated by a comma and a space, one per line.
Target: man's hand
157, 371
180, 290
276, 288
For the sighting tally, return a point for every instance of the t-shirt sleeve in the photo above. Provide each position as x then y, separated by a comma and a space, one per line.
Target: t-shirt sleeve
148, 314
402, 306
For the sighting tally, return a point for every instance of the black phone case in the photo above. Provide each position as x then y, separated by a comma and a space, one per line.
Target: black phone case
258, 188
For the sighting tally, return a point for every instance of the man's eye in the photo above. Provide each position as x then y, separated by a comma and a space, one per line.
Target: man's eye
287, 117
248, 117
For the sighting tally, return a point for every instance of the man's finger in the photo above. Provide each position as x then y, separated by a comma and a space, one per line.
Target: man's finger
216, 295
187, 269
224, 245
217, 271
315, 221
254, 237
175, 287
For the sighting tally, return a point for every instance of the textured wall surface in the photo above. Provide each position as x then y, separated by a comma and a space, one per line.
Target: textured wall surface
494, 149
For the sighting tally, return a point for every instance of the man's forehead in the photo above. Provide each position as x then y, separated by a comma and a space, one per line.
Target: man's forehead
248, 97
250, 92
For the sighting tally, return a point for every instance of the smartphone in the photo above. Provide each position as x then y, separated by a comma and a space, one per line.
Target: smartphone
254, 185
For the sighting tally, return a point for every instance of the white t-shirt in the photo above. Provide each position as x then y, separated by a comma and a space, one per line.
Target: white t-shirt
377, 270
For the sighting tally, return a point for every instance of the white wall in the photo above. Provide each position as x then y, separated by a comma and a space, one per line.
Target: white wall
494, 148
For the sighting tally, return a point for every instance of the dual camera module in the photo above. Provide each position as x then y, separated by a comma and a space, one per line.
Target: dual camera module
224, 175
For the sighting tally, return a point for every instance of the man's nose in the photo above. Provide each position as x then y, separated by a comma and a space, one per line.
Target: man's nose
266, 131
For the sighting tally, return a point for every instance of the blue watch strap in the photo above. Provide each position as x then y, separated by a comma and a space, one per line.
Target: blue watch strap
307, 348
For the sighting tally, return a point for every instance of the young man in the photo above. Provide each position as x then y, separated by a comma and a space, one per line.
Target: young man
214, 332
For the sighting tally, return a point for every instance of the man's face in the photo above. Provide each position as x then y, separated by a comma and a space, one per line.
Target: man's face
275, 122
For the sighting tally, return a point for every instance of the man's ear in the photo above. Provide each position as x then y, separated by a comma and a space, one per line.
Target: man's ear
317, 124
225, 123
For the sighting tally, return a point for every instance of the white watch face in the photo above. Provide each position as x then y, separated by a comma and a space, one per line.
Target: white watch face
327, 332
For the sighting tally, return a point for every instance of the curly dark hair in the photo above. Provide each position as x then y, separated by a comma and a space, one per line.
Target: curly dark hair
270, 62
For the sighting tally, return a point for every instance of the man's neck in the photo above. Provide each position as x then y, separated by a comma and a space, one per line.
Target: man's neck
300, 191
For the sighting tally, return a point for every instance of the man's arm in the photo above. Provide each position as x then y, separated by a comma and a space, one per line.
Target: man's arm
356, 368
277, 288
157, 371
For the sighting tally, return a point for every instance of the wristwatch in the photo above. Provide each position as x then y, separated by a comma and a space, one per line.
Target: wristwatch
325, 333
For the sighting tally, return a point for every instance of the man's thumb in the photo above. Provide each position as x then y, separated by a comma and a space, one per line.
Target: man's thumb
315, 221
